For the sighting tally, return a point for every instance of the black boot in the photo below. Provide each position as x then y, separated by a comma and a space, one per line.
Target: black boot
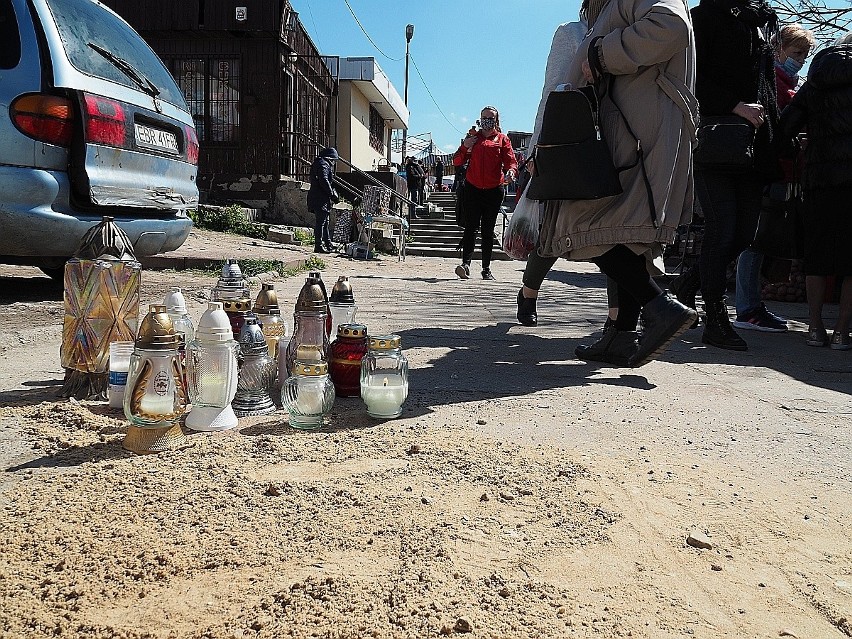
685, 287
526, 310
718, 331
614, 347
664, 320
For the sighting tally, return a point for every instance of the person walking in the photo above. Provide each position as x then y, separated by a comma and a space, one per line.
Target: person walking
439, 174
646, 49
736, 75
563, 48
321, 196
824, 106
792, 47
488, 155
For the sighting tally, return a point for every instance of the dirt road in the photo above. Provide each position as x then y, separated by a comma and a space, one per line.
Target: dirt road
522, 493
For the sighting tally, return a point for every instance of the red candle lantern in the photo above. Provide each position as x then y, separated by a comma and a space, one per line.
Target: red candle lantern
347, 351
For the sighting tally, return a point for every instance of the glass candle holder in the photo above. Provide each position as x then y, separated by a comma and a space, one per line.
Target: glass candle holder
269, 318
308, 330
212, 372
119, 364
384, 377
347, 351
342, 313
308, 394
155, 396
231, 285
257, 373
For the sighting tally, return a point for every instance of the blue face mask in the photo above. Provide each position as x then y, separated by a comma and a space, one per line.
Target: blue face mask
791, 67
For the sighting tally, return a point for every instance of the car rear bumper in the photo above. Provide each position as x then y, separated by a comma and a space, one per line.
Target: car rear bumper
54, 229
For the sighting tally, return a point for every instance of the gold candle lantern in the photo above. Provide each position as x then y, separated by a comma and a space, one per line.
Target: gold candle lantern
101, 306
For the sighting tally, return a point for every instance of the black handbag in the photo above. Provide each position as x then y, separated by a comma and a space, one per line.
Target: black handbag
572, 160
780, 227
725, 142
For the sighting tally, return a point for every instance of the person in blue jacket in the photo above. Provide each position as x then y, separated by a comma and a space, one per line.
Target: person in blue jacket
321, 196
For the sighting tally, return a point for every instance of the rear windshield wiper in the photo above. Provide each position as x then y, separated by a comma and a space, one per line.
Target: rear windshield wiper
127, 69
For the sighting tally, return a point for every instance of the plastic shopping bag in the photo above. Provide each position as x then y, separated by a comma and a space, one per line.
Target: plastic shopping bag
521, 235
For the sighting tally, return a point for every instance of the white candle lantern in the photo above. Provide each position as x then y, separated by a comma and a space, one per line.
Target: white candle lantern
212, 372
308, 394
384, 377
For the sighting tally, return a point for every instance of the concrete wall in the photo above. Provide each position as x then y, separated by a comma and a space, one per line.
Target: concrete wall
354, 130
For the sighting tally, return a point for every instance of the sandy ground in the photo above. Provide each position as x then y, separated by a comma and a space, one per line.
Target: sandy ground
521, 494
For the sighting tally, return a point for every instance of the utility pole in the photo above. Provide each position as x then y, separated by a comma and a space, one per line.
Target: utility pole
409, 33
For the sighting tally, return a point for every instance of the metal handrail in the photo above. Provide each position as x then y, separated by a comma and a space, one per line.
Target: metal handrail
354, 168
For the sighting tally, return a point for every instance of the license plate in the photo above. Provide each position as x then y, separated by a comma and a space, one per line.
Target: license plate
156, 138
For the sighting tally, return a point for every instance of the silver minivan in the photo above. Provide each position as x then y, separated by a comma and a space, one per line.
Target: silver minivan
91, 124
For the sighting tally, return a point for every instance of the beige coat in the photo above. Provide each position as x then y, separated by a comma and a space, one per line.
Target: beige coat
648, 46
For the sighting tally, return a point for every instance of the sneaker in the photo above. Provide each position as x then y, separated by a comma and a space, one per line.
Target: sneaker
817, 337
486, 274
463, 271
761, 319
841, 341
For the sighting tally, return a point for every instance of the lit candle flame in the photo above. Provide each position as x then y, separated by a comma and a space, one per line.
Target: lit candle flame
385, 381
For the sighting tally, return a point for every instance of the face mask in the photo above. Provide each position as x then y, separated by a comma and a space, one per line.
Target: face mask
488, 123
791, 67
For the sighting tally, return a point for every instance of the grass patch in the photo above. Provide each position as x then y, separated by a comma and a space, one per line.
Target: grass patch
228, 220
252, 267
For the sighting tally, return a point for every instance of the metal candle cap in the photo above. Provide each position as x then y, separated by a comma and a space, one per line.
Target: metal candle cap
311, 297
156, 331
242, 305
384, 342
352, 330
267, 301
106, 241
309, 361
252, 341
342, 291
231, 270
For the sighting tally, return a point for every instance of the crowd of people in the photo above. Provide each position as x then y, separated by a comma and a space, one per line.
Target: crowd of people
657, 65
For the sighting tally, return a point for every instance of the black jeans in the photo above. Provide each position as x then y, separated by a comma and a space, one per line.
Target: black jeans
731, 206
321, 235
481, 208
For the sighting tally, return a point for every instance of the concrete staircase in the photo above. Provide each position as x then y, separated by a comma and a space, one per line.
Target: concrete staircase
439, 236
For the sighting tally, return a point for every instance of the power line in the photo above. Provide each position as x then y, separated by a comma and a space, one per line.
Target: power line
310, 11
368, 35
416, 68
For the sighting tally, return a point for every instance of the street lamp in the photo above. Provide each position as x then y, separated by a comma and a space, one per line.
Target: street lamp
409, 33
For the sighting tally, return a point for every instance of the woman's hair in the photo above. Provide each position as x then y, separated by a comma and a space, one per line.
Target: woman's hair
793, 35
492, 108
846, 38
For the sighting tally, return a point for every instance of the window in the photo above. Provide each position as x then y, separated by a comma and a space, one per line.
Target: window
211, 87
86, 27
377, 131
10, 52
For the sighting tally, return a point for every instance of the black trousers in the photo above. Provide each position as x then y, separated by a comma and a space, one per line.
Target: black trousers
635, 286
481, 208
321, 235
538, 267
731, 206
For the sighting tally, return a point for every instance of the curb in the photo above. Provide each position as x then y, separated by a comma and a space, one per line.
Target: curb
161, 263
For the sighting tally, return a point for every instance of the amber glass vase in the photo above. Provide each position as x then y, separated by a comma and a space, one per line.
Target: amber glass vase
347, 351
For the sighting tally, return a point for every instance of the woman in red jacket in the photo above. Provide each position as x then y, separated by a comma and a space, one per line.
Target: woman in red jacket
488, 154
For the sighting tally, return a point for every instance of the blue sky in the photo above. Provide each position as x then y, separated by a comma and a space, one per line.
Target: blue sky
470, 53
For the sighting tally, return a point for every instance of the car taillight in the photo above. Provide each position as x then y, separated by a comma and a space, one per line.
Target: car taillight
46, 118
191, 145
105, 121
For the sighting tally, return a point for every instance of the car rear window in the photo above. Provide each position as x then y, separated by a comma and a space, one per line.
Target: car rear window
10, 52
83, 22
